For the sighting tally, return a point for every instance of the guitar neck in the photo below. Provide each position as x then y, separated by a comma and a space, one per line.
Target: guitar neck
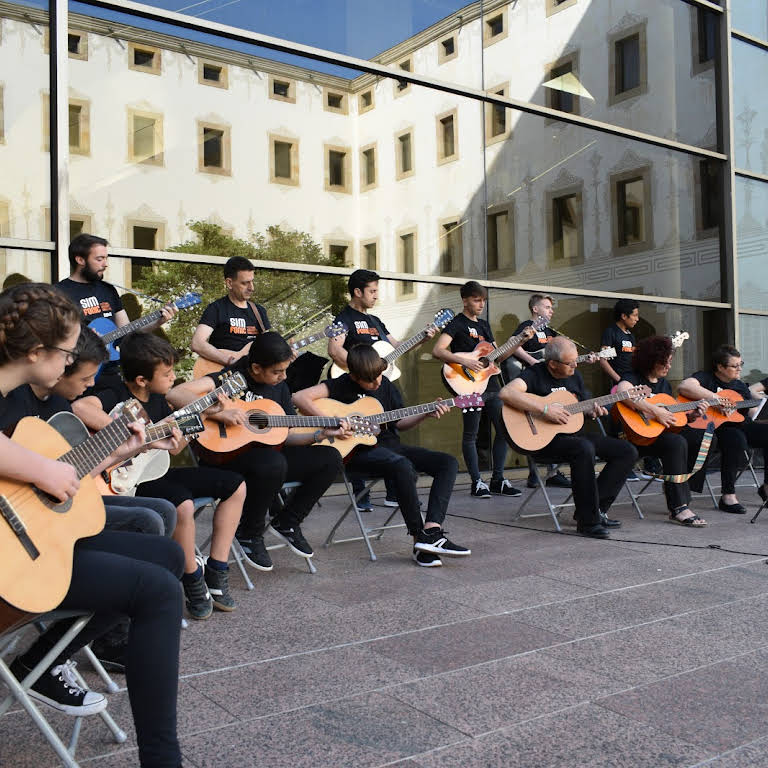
93, 451
136, 325
262, 420
413, 410
505, 347
156, 432
306, 341
711, 402
588, 405
205, 402
402, 348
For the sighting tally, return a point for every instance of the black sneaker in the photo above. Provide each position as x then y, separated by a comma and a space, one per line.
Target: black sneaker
426, 559
593, 531
218, 586
364, 503
294, 538
255, 553
504, 488
480, 490
558, 480
532, 481
435, 541
388, 502
606, 521
59, 688
111, 656
199, 601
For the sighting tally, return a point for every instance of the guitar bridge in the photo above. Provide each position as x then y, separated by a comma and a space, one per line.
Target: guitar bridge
531, 423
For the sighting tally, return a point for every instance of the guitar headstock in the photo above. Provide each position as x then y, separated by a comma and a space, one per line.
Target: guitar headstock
335, 329
234, 383
640, 392
607, 354
469, 402
133, 410
442, 318
539, 323
188, 300
361, 426
190, 424
678, 338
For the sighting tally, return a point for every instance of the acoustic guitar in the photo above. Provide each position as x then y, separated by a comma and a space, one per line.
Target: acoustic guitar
531, 432
724, 407
641, 429
390, 353
203, 366
37, 532
463, 381
370, 410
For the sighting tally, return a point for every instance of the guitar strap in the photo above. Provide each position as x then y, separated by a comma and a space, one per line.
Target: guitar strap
256, 312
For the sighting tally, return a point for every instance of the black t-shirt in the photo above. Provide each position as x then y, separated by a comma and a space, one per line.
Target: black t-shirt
541, 382
157, 406
540, 339
362, 327
660, 387
281, 394
709, 381
624, 344
22, 402
345, 390
233, 326
95, 300
466, 334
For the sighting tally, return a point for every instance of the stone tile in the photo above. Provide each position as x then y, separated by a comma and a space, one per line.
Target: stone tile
748, 756
586, 736
439, 650
367, 730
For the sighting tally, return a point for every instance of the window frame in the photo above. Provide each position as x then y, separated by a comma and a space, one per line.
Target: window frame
406, 289
294, 158
226, 148
400, 174
84, 129
553, 7
501, 89
442, 158
496, 210
443, 240
646, 244
364, 186
158, 159
291, 97
577, 190
698, 66
642, 88
442, 56
362, 254
488, 38
158, 225
347, 243
157, 59
361, 108
343, 109
223, 83
702, 232
407, 89
346, 187
569, 58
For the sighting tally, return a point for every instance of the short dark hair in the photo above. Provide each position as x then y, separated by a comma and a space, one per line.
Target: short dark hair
89, 349
536, 298
473, 288
237, 264
722, 354
624, 307
269, 349
365, 363
650, 352
81, 246
141, 353
360, 278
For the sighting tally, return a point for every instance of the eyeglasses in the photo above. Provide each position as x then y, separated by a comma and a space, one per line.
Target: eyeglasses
568, 365
735, 365
71, 355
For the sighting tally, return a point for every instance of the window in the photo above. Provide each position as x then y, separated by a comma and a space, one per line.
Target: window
708, 183
401, 86
144, 58
704, 33
451, 246
628, 65
370, 255
566, 228
77, 225
5, 219
368, 167
146, 236
282, 89
79, 127
214, 149
406, 261
365, 101
631, 208
2, 115
145, 144
497, 118
495, 27
337, 171
77, 45
335, 101
447, 145
501, 239
562, 76
404, 154
284, 160
553, 6
212, 73
339, 252
448, 48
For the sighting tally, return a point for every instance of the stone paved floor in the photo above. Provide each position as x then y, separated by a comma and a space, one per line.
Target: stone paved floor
539, 650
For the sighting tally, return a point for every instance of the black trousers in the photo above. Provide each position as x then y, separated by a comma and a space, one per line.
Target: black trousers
117, 574
180, 484
399, 465
591, 495
671, 449
265, 470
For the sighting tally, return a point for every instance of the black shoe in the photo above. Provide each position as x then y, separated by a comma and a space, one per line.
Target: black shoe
732, 509
480, 490
426, 559
199, 601
218, 585
255, 553
59, 688
762, 493
364, 504
558, 480
435, 541
111, 656
504, 488
593, 531
294, 538
606, 522
532, 482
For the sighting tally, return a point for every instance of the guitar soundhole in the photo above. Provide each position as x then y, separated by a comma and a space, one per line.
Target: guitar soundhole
258, 421
53, 504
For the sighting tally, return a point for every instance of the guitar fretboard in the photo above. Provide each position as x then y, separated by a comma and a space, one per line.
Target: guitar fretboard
136, 325
212, 398
261, 420
616, 397
413, 410
92, 452
402, 348
712, 401
306, 341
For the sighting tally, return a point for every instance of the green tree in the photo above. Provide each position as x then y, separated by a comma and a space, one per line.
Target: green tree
293, 299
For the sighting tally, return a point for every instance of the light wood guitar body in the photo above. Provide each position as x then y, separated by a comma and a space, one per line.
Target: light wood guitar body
38, 582
365, 406
731, 403
643, 430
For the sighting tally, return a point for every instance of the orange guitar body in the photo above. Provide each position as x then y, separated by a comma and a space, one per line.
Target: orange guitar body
531, 432
715, 414
642, 430
462, 381
39, 583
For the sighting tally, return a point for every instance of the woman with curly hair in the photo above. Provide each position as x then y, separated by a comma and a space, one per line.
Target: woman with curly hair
650, 365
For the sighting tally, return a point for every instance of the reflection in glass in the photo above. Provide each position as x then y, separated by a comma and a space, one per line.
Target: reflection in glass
753, 345
750, 17
751, 242
750, 110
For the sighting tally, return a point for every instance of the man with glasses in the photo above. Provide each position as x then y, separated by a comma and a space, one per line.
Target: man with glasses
732, 438
592, 496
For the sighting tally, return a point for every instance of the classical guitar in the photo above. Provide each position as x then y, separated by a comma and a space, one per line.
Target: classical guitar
463, 381
203, 366
267, 423
390, 353
724, 407
38, 533
641, 429
370, 410
110, 333
533, 432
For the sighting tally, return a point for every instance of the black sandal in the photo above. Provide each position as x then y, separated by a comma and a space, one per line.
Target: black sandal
694, 521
